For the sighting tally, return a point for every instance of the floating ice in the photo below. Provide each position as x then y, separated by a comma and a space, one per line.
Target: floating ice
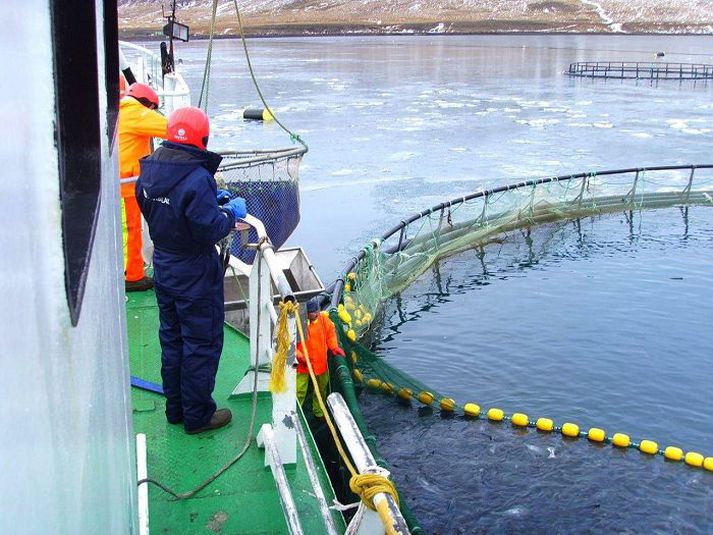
342, 172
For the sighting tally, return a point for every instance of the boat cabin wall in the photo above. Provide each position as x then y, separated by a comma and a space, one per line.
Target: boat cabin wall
66, 455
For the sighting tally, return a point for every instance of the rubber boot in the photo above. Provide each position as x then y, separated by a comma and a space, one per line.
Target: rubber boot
140, 285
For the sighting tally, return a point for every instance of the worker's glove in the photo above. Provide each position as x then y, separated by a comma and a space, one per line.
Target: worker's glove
223, 196
339, 351
236, 207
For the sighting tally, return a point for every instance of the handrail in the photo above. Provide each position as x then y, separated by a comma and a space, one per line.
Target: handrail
145, 51
143, 491
338, 285
387, 508
263, 243
266, 438
156, 72
314, 479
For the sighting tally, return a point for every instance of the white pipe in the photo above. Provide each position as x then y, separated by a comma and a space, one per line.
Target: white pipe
273, 313
365, 462
363, 459
283, 487
142, 473
314, 479
269, 254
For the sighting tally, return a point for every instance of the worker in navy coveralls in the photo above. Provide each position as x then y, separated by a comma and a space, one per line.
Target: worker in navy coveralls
178, 196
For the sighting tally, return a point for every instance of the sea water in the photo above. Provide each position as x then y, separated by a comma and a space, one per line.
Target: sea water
604, 322
397, 124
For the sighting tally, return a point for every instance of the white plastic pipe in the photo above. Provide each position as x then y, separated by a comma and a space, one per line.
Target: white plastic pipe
392, 520
142, 473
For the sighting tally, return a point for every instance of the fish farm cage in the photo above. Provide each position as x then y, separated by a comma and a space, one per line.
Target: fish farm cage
388, 265
621, 70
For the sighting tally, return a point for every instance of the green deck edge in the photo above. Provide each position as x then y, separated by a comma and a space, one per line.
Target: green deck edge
244, 500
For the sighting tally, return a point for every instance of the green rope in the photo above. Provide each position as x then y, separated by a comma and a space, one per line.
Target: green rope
205, 85
293, 137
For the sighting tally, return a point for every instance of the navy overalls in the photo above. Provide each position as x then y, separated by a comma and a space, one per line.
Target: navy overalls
176, 192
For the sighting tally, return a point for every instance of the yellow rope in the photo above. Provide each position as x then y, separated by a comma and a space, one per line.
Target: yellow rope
369, 485
279, 361
366, 486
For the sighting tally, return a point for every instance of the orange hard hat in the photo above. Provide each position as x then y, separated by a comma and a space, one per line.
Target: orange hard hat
122, 85
143, 94
189, 126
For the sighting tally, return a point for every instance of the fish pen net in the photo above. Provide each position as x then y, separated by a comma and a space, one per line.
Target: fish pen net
654, 70
388, 265
268, 180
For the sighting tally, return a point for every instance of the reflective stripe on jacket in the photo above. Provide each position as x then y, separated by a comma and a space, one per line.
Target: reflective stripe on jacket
321, 336
137, 125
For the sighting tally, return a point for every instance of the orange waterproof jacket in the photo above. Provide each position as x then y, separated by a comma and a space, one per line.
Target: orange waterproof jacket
137, 125
321, 336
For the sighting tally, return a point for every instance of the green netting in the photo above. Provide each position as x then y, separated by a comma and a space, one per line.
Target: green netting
373, 372
387, 266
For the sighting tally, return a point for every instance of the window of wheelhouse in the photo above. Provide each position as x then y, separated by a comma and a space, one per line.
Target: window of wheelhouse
78, 135
111, 68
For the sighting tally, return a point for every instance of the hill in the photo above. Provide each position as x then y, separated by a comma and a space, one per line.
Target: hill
141, 18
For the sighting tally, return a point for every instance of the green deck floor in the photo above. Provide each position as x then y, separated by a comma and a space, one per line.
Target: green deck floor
244, 500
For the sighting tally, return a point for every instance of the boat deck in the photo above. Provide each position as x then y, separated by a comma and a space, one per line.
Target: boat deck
244, 499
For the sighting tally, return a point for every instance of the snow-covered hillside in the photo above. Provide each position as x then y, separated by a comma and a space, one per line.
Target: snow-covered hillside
279, 17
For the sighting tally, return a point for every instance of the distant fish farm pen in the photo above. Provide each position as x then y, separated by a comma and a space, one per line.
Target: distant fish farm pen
641, 70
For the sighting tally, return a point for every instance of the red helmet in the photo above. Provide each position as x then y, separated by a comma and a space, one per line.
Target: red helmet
143, 94
189, 126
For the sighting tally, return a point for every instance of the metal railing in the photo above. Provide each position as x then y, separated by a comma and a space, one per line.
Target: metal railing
281, 437
171, 88
400, 235
641, 70
386, 518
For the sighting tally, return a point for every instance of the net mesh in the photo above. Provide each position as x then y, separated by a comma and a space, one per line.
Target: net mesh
389, 265
269, 183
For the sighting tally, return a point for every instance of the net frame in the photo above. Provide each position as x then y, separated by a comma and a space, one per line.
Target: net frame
387, 265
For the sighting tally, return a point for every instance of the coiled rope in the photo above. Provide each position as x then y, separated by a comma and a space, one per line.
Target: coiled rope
277, 383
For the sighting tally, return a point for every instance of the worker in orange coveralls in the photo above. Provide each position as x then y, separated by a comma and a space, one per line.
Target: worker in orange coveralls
321, 336
138, 123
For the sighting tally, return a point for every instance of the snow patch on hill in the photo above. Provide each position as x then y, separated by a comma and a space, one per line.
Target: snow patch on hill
438, 16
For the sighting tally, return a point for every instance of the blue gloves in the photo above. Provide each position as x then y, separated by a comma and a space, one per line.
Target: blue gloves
223, 196
237, 208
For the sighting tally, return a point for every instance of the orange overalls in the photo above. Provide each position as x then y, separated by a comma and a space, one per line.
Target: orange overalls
321, 336
137, 125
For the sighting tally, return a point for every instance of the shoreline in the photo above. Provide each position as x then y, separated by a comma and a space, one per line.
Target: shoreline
144, 34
